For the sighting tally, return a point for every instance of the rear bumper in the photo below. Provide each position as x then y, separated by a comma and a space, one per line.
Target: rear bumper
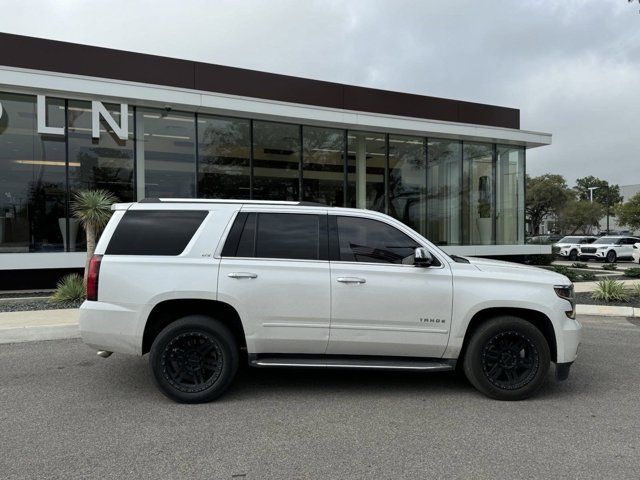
106, 326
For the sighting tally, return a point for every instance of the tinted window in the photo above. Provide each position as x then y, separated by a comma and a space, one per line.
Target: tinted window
155, 232
366, 240
285, 235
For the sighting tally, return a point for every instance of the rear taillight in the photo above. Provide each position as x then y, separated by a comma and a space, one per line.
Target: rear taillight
92, 277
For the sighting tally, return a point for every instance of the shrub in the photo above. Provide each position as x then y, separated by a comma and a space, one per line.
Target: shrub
70, 288
632, 272
567, 272
587, 276
610, 291
539, 260
636, 289
579, 265
610, 266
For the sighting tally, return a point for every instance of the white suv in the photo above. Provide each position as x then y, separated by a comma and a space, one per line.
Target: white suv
569, 247
201, 284
609, 249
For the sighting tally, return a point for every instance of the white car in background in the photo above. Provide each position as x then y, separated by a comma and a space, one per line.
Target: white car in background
609, 249
636, 252
570, 246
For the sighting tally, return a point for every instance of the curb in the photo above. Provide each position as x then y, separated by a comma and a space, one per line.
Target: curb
607, 311
38, 333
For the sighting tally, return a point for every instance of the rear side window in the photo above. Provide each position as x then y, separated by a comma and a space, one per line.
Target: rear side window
278, 235
155, 232
367, 240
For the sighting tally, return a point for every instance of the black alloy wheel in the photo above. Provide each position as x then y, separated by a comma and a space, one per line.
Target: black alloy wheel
611, 256
194, 359
510, 360
507, 358
573, 255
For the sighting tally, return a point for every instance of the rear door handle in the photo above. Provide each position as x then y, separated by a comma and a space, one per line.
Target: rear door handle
242, 275
351, 280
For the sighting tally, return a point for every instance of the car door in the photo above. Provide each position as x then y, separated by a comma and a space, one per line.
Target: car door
381, 304
627, 247
274, 271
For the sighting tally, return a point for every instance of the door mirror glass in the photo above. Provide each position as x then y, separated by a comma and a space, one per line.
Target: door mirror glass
423, 257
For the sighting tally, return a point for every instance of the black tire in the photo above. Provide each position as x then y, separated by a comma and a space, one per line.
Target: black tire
611, 256
507, 358
194, 359
573, 255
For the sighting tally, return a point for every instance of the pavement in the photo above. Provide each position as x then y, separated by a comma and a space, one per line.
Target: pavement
65, 413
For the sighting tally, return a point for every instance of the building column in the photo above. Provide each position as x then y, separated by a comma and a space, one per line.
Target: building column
361, 171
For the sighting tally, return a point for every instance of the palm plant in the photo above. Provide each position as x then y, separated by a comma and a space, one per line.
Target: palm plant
93, 209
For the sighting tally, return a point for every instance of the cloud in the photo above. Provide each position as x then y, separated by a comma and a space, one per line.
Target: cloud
572, 67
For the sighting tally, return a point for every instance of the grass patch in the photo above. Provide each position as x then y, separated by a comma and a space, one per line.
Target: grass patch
632, 272
610, 291
587, 276
579, 265
610, 266
70, 288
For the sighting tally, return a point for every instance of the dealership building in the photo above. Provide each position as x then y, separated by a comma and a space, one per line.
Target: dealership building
76, 117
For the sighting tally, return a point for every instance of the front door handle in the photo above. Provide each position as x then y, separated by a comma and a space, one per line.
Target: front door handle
242, 275
351, 280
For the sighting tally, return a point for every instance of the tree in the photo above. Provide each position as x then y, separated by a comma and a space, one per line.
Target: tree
546, 194
580, 215
604, 193
93, 209
628, 213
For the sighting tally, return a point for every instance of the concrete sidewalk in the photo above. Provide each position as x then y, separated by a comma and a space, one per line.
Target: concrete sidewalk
39, 325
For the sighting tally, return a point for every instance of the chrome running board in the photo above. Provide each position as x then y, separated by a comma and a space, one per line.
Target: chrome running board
336, 361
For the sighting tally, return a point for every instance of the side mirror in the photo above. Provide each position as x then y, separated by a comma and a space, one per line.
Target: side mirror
422, 258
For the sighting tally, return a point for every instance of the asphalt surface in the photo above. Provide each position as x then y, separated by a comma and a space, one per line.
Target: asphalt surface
65, 413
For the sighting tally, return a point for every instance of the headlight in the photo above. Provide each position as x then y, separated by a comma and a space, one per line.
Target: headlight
566, 293
602, 248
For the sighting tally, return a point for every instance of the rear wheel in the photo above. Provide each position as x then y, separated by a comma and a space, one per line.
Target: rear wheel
507, 359
194, 359
573, 255
611, 256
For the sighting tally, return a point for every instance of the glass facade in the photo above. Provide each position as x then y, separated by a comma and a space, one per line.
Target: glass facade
478, 194
454, 192
444, 192
366, 161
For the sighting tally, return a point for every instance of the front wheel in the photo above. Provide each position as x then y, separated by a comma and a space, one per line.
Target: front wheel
611, 256
507, 358
194, 359
573, 255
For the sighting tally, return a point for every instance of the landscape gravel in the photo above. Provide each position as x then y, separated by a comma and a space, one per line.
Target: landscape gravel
585, 298
29, 305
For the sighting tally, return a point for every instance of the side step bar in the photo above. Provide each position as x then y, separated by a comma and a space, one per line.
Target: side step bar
372, 363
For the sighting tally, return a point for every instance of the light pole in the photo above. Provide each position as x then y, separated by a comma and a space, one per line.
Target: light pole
591, 189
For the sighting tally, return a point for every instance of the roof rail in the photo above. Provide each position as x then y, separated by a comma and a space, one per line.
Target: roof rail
235, 201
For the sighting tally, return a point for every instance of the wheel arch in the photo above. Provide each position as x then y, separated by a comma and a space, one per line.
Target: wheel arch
536, 318
168, 311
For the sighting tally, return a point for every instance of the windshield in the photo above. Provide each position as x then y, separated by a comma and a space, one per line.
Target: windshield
570, 240
606, 240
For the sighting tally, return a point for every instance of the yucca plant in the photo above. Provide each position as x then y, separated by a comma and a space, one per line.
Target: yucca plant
610, 291
636, 289
71, 288
93, 209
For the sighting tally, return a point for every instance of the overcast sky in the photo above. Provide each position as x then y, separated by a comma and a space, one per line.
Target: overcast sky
572, 67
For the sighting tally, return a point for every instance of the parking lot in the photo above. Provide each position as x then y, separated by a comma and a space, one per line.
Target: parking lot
65, 413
